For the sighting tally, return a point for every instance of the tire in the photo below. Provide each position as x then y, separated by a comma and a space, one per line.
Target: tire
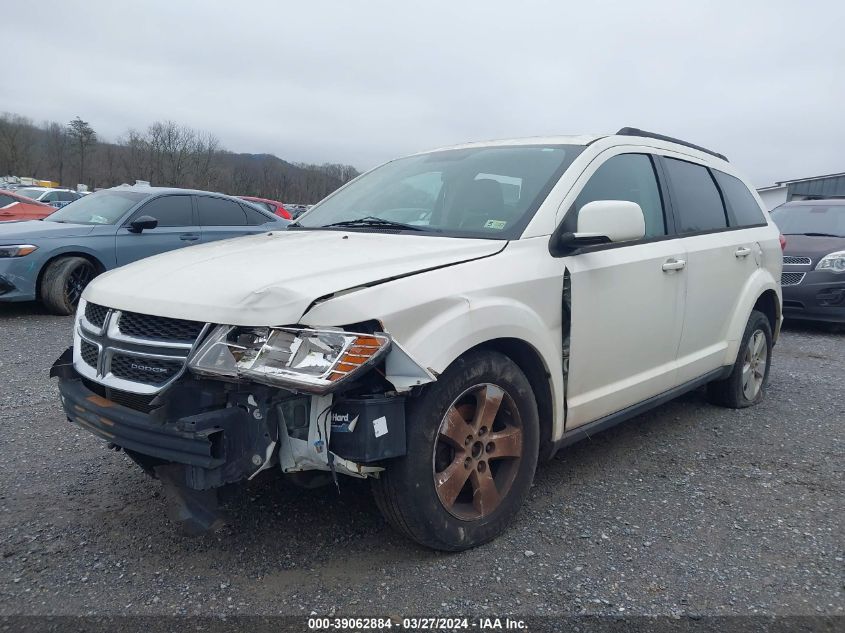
486, 401
63, 283
746, 384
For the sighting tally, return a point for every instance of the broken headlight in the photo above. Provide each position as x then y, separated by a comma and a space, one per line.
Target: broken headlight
296, 358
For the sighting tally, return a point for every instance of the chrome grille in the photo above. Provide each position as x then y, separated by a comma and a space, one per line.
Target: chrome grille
157, 328
791, 279
130, 353
95, 314
792, 260
90, 353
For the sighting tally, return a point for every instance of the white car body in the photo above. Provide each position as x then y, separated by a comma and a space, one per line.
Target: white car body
638, 331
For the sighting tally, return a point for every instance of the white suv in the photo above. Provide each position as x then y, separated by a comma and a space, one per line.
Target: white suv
437, 325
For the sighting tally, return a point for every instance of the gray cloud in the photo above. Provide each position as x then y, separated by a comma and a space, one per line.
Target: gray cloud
362, 82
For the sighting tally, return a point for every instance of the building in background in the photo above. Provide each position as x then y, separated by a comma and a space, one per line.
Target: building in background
817, 187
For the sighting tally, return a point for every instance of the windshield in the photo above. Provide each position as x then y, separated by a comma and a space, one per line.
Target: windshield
816, 219
30, 193
489, 192
101, 207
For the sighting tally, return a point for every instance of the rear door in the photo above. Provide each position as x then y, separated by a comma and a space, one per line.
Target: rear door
176, 228
222, 218
627, 299
721, 260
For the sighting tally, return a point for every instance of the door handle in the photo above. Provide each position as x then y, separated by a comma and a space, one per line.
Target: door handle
742, 251
674, 264
189, 237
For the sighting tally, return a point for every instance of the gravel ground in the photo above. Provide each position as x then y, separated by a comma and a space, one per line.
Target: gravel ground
687, 509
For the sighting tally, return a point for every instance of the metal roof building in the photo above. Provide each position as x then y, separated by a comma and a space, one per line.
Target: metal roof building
828, 186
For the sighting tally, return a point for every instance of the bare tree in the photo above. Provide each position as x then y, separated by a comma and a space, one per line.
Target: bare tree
83, 137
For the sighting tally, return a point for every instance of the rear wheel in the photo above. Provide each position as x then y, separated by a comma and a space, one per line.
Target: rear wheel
747, 382
472, 442
63, 283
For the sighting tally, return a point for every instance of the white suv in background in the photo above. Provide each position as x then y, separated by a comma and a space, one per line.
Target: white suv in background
437, 325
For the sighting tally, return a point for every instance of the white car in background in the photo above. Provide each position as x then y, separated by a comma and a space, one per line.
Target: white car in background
48, 195
437, 325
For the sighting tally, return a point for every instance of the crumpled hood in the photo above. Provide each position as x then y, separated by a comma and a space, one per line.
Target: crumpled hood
273, 278
21, 232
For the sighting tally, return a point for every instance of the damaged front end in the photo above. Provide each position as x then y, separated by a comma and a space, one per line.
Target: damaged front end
236, 401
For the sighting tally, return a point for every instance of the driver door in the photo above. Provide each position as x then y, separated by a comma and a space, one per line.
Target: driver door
177, 227
627, 300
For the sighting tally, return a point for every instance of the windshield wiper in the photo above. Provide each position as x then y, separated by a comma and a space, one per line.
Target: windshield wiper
372, 221
813, 234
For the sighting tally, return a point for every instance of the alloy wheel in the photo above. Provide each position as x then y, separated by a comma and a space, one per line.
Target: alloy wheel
754, 365
477, 451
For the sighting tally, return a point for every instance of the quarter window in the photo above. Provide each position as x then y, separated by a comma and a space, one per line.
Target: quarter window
220, 212
169, 210
695, 198
743, 209
628, 177
255, 218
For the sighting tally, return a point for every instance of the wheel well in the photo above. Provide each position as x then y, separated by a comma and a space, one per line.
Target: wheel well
768, 304
98, 265
531, 363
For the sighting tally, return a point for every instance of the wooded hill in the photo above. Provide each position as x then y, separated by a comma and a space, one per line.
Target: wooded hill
165, 154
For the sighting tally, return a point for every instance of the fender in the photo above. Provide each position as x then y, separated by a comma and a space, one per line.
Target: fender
758, 283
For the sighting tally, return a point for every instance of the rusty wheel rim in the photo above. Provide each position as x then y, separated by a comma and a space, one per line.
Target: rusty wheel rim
477, 452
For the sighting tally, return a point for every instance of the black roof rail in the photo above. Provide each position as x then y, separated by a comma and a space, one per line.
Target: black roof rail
632, 131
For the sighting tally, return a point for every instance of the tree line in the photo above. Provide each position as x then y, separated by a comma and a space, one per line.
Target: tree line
165, 154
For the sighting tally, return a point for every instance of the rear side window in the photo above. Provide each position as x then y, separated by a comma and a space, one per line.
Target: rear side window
743, 209
6, 200
627, 177
254, 217
695, 198
169, 210
220, 212
67, 196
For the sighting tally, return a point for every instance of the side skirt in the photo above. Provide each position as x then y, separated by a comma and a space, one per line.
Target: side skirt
602, 424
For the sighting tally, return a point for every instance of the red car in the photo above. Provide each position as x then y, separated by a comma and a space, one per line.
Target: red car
15, 207
270, 205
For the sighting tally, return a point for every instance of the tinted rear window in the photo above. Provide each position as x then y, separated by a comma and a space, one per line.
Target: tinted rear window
695, 198
743, 209
220, 212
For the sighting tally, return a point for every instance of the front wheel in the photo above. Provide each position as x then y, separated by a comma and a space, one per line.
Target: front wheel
472, 441
747, 382
63, 283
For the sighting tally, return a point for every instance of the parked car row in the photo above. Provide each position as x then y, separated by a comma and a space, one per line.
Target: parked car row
14, 206
53, 259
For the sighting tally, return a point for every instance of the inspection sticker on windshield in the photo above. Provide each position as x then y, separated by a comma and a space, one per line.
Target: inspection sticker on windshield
495, 224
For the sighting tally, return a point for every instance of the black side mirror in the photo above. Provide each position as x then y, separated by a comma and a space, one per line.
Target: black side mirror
142, 223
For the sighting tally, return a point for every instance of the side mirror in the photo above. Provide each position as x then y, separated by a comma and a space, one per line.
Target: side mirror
602, 222
142, 223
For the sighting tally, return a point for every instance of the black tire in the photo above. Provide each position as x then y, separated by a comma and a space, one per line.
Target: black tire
732, 392
406, 492
63, 283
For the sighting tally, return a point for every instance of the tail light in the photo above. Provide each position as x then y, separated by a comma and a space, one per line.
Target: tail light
782, 243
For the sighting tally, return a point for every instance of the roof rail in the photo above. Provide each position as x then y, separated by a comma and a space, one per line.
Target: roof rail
632, 131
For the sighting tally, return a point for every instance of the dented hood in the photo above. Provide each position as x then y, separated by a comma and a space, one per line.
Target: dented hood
273, 278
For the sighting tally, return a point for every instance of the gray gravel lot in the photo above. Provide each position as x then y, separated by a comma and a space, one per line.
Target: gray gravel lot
687, 509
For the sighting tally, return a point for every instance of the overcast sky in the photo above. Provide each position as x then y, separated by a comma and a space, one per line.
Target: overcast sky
361, 82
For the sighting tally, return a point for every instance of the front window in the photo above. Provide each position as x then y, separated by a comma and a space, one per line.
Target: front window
102, 207
488, 192
821, 219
